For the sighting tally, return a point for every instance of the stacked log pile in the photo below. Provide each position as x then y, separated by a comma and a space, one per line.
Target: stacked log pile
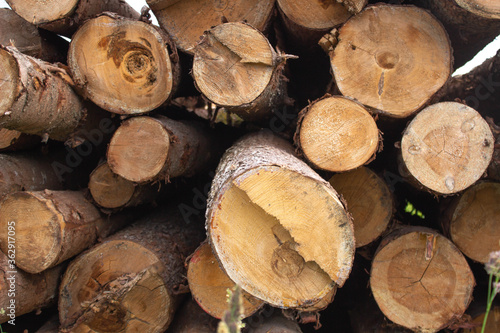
317, 154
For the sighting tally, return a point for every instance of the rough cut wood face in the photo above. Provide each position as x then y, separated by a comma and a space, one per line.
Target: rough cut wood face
43, 11
392, 58
315, 14
420, 280
486, 8
9, 76
447, 147
108, 189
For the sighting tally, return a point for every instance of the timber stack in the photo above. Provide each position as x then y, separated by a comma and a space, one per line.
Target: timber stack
247, 166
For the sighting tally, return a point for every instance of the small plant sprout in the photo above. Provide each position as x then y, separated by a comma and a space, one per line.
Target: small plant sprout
231, 321
493, 269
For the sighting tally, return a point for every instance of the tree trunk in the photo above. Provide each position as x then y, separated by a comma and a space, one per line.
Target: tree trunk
209, 285
52, 226
471, 221
390, 58
23, 172
276, 323
64, 17
447, 147
144, 149
368, 199
236, 67
272, 220
112, 191
336, 134
187, 20
124, 66
471, 24
28, 39
307, 21
11, 140
190, 318
37, 97
131, 281
22, 292
420, 280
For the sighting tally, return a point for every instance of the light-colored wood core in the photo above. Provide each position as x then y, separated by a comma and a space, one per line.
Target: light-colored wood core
186, 20
474, 222
420, 280
278, 230
11, 140
9, 76
369, 201
209, 285
43, 11
315, 14
447, 147
392, 58
108, 189
337, 134
486, 8
123, 65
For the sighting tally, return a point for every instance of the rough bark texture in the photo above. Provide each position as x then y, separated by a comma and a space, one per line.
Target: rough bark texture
38, 98
123, 65
132, 280
11, 140
28, 39
27, 172
31, 291
52, 226
51, 326
64, 17
190, 318
469, 33
276, 323
260, 184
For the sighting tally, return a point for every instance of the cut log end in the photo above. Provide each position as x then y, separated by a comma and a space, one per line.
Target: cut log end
369, 200
209, 285
42, 11
139, 148
420, 280
317, 15
9, 76
337, 134
392, 58
283, 237
447, 147
108, 189
124, 65
485, 8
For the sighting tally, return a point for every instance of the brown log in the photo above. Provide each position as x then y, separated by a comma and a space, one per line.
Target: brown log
37, 97
471, 24
123, 65
190, 318
492, 324
471, 221
145, 149
368, 199
112, 191
336, 134
11, 140
275, 323
23, 292
28, 39
50, 326
64, 17
23, 172
420, 280
276, 227
209, 285
390, 58
236, 67
447, 147
52, 226
132, 280
186, 20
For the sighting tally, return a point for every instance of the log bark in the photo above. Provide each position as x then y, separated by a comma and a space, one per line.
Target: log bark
52, 226
64, 17
27, 172
14, 140
209, 285
272, 220
447, 147
51, 326
471, 221
30, 292
369, 201
236, 67
190, 318
132, 280
112, 191
420, 280
336, 134
37, 97
471, 24
28, 39
178, 149
123, 65
390, 58
276, 323
187, 20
